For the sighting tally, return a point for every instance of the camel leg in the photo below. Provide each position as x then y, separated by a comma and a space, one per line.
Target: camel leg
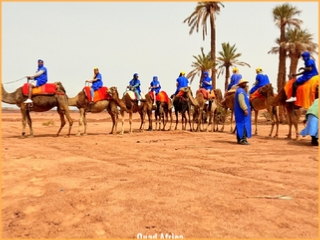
85, 124
130, 122
156, 118
274, 110
271, 113
82, 112
224, 118
183, 120
62, 120
256, 121
143, 119
122, 122
170, 115
189, 118
149, 113
290, 113
176, 113
29, 123
24, 122
295, 124
165, 119
70, 121
232, 130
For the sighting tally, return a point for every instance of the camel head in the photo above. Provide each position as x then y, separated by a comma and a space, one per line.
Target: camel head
113, 92
60, 87
266, 89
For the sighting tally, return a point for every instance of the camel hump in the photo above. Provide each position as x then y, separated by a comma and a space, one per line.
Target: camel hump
45, 89
133, 96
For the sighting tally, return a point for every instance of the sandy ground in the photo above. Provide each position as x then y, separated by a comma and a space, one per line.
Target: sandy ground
178, 183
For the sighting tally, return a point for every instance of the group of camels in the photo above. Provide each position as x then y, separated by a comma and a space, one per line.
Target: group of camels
202, 110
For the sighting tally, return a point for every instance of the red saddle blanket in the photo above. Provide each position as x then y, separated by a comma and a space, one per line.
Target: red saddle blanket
205, 93
100, 94
46, 89
255, 95
305, 92
162, 97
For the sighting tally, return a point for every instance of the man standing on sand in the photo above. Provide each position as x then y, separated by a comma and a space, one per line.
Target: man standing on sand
242, 113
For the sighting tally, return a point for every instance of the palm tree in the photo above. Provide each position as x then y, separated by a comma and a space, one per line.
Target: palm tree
297, 41
228, 57
283, 16
203, 63
203, 12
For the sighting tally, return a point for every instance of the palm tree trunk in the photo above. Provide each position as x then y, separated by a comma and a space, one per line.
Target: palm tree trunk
213, 50
282, 70
293, 63
227, 78
8, 97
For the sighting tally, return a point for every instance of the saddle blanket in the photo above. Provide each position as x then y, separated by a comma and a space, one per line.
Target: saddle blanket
162, 97
205, 93
255, 95
46, 89
133, 95
305, 92
99, 95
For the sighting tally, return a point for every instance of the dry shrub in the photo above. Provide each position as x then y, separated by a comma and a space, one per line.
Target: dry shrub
48, 123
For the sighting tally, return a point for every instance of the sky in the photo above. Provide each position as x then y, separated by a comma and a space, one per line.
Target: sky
123, 38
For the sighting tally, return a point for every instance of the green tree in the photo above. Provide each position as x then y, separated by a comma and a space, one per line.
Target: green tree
200, 16
227, 58
284, 16
202, 63
297, 41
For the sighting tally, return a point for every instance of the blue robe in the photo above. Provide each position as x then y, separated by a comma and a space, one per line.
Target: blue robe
204, 82
262, 80
242, 121
235, 78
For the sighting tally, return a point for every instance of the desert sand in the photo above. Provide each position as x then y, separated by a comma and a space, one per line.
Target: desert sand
180, 183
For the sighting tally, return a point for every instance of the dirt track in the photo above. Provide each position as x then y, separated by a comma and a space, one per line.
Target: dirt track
200, 185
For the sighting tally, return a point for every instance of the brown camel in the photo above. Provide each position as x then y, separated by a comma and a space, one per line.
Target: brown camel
182, 105
203, 109
41, 103
257, 105
293, 112
131, 106
83, 104
163, 109
228, 104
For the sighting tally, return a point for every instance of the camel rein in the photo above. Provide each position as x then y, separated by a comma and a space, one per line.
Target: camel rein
15, 80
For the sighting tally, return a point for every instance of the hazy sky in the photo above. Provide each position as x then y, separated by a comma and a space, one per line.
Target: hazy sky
122, 38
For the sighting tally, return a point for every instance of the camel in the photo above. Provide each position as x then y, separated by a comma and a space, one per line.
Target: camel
256, 105
202, 109
280, 99
83, 104
130, 106
228, 104
182, 105
41, 103
163, 109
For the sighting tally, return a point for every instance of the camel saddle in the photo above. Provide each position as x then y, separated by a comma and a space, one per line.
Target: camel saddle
161, 97
99, 95
205, 93
133, 95
305, 92
45, 89
256, 94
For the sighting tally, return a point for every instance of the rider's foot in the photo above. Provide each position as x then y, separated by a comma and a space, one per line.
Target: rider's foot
292, 99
